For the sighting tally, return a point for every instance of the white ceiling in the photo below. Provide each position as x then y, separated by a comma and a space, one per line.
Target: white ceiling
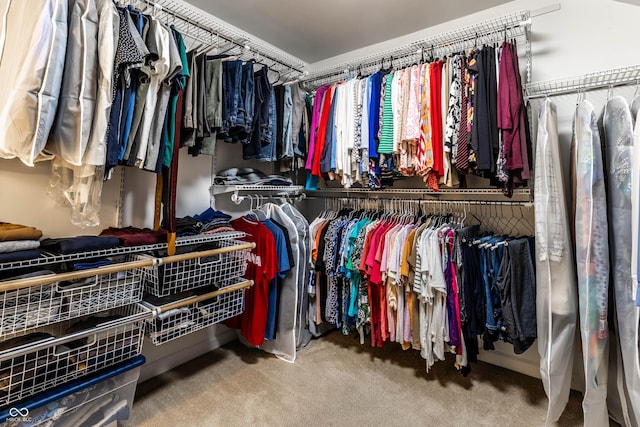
313, 30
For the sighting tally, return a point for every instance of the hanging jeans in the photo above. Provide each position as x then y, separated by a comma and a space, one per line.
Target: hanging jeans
556, 299
592, 260
618, 140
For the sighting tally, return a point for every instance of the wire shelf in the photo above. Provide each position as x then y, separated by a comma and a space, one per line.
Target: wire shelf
31, 307
460, 195
592, 81
289, 189
30, 369
185, 320
48, 258
181, 276
510, 26
205, 28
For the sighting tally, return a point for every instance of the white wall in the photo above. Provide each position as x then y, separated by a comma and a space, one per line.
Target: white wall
583, 36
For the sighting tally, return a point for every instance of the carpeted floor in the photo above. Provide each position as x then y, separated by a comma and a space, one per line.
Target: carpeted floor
337, 382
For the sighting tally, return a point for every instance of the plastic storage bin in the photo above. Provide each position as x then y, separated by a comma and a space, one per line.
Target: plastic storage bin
103, 399
215, 270
59, 353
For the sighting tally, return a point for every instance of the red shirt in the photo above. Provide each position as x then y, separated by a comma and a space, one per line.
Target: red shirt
262, 266
435, 70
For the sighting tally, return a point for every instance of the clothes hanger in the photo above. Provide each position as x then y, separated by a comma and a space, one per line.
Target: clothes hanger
275, 71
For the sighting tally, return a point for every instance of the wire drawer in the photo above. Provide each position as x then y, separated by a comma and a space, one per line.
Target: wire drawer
35, 367
177, 322
102, 292
181, 276
45, 304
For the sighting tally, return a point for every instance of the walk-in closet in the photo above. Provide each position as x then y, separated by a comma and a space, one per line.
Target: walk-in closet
319, 213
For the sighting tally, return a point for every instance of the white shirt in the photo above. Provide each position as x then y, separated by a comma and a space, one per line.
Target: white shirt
108, 34
33, 41
70, 132
159, 71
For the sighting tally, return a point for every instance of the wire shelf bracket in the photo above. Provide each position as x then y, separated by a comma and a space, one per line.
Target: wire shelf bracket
511, 26
586, 82
206, 29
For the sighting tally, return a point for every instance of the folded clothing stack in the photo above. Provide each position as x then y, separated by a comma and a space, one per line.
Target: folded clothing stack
70, 245
132, 236
214, 221
18, 242
245, 176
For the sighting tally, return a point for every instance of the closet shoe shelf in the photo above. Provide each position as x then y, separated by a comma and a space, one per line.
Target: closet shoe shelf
188, 315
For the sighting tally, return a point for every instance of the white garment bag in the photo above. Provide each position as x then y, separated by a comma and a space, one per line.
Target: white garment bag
556, 298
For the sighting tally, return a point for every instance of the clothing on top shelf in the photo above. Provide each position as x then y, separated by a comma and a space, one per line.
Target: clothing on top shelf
240, 176
10, 232
431, 120
19, 255
416, 281
71, 245
132, 236
18, 245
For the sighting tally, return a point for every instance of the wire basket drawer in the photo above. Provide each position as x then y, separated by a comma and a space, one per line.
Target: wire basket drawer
101, 292
25, 308
182, 321
196, 273
59, 356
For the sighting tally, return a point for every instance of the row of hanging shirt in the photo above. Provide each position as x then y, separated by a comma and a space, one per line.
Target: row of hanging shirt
274, 310
603, 222
94, 85
105, 106
97, 86
428, 283
462, 114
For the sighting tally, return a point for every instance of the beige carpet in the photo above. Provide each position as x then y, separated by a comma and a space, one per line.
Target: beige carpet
337, 382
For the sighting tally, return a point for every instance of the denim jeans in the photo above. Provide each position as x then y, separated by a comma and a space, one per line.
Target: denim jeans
245, 115
517, 285
268, 149
260, 115
231, 82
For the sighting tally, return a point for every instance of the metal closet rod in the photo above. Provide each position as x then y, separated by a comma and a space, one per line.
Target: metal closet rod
588, 82
199, 298
433, 202
188, 21
443, 43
